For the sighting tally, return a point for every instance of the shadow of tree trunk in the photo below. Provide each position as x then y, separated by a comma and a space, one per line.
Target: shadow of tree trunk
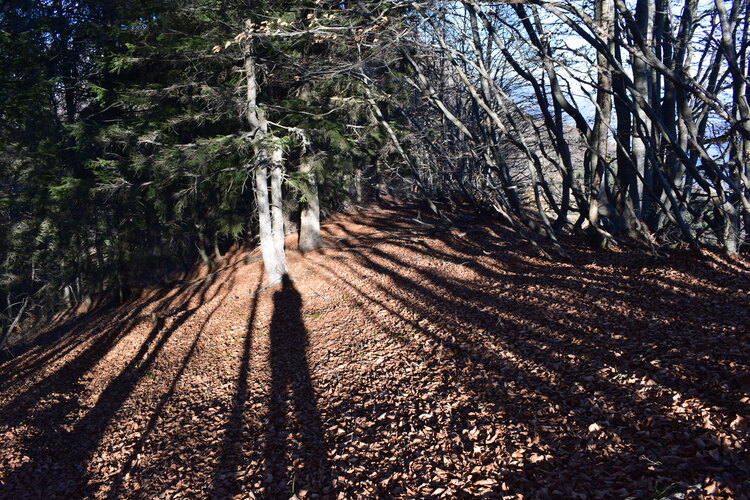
295, 453
225, 481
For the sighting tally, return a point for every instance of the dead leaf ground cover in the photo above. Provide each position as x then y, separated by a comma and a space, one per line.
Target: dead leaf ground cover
404, 360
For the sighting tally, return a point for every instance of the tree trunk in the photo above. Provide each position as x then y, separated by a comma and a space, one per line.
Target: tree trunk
309, 223
598, 204
642, 80
271, 231
357, 187
741, 111
277, 212
627, 181
275, 264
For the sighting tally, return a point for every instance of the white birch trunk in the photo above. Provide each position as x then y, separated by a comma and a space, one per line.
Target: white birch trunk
277, 213
275, 268
271, 231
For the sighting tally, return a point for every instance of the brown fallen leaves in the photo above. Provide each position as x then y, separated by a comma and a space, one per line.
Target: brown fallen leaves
405, 361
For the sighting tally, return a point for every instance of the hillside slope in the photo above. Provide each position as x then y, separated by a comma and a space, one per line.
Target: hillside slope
404, 360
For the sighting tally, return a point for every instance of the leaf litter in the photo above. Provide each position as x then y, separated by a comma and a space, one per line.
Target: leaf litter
407, 359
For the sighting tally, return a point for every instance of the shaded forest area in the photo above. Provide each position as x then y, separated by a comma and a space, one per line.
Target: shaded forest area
374, 248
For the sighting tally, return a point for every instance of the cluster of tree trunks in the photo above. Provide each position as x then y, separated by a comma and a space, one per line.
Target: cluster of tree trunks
633, 122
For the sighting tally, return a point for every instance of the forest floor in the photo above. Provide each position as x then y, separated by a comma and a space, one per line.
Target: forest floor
403, 360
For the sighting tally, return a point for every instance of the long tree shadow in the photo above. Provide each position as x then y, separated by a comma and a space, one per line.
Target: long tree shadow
118, 484
68, 336
295, 451
225, 482
67, 450
552, 361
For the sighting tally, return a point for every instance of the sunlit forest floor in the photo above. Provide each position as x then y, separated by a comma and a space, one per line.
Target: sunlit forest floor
404, 360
